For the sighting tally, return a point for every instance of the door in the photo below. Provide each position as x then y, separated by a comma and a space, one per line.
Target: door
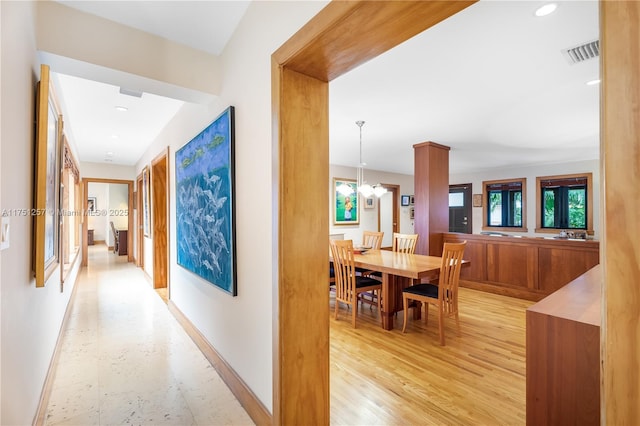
460, 208
388, 214
160, 221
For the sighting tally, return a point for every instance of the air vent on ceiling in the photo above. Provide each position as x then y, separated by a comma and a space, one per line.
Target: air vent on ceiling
131, 92
582, 52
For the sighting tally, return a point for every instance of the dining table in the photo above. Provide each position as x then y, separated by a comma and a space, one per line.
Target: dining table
398, 270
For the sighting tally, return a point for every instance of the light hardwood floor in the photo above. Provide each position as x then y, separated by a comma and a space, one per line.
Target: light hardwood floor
386, 377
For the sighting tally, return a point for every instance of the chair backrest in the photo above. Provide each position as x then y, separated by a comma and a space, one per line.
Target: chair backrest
450, 275
372, 239
113, 229
344, 269
404, 243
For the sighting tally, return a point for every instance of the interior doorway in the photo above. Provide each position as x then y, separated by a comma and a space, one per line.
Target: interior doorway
388, 215
160, 220
111, 208
460, 209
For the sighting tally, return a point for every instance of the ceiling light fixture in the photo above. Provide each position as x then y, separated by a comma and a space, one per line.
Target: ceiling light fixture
109, 154
593, 82
546, 9
122, 108
364, 188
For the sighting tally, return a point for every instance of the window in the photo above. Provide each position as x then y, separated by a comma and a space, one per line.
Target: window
563, 202
504, 206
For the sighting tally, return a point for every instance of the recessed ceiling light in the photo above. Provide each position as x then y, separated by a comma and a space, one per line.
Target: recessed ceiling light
593, 82
546, 9
114, 136
110, 154
122, 108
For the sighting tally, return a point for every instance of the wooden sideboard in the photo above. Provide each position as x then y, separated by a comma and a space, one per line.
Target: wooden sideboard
525, 267
563, 355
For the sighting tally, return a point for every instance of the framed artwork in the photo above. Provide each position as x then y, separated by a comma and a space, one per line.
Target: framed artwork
411, 200
345, 207
412, 213
477, 200
146, 214
205, 204
91, 205
369, 203
45, 210
404, 200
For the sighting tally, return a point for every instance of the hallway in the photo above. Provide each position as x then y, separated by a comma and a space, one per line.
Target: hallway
124, 359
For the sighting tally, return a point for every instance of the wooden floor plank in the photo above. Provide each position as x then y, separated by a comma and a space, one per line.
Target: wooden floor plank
386, 377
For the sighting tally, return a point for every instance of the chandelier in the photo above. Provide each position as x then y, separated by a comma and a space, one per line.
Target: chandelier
364, 188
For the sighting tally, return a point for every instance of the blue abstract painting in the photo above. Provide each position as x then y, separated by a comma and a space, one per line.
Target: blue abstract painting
205, 204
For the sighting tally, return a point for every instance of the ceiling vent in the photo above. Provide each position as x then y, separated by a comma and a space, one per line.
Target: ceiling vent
582, 52
131, 92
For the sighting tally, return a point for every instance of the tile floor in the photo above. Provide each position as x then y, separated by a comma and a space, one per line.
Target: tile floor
125, 360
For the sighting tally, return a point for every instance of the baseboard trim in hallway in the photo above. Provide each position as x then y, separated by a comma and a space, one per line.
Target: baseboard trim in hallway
252, 405
41, 411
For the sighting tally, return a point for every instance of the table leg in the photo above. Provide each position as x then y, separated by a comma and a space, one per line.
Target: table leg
387, 306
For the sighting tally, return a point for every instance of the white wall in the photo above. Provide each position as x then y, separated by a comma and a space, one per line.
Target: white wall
107, 171
30, 317
476, 179
118, 209
239, 328
369, 217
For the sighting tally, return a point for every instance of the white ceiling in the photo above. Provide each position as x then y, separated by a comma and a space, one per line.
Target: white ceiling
490, 82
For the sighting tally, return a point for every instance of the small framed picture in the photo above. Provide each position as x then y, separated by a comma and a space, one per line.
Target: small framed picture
91, 205
369, 203
477, 200
412, 212
404, 200
411, 200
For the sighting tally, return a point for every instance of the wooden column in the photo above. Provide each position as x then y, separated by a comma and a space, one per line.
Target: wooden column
620, 177
431, 196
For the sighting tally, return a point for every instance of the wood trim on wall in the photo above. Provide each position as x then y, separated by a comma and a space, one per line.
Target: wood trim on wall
620, 207
339, 38
249, 401
47, 387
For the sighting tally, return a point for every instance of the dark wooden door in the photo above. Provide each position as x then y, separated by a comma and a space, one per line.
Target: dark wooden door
460, 208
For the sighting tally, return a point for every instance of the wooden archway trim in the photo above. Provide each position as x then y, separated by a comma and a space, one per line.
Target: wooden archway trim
342, 36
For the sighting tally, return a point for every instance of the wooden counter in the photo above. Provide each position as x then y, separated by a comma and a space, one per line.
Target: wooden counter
525, 267
563, 354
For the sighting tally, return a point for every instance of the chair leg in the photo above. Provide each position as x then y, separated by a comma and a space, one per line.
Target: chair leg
441, 324
353, 313
405, 307
426, 313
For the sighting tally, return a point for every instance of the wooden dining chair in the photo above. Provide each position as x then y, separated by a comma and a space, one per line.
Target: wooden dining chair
404, 243
371, 239
115, 237
348, 285
444, 295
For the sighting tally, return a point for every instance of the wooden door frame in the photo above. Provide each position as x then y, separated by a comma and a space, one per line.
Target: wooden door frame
342, 36
139, 231
160, 253
85, 222
395, 192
